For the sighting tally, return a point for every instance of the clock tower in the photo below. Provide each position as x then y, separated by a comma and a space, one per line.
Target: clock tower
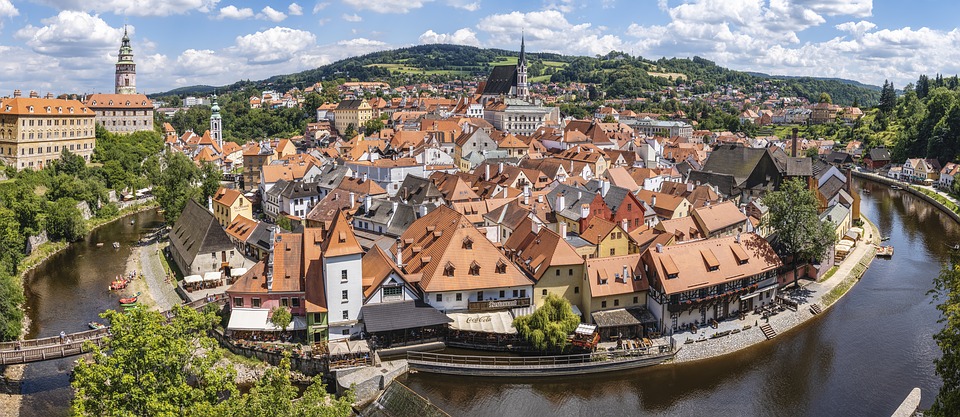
126, 77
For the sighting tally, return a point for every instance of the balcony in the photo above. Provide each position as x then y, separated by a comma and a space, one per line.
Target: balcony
507, 303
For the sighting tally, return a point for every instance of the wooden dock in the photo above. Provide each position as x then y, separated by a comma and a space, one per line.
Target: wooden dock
539, 366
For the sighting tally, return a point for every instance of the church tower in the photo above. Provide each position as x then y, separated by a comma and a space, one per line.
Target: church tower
216, 124
522, 90
126, 76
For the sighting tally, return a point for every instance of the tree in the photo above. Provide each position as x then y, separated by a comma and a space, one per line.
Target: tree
69, 163
350, 131
888, 98
947, 365
176, 184
11, 241
212, 175
274, 395
812, 152
794, 218
284, 223
609, 119
825, 98
372, 126
64, 220
11, 311
548, 327
280, 317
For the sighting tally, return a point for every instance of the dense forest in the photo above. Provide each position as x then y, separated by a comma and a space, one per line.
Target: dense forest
927, 120
618, 74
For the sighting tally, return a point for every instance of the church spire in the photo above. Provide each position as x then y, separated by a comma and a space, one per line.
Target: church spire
522, 89
523, 54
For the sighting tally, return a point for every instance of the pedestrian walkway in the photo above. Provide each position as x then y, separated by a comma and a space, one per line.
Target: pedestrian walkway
163, 293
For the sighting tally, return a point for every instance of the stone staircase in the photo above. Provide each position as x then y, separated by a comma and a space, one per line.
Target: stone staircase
768, 331
816, 309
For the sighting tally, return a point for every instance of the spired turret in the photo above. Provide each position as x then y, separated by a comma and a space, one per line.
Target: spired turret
126, 73
522, 88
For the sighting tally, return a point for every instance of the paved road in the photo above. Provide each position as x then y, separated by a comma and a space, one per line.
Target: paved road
162, 293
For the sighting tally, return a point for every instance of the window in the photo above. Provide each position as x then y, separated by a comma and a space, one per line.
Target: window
616, 302
523, 293
392, 291
544, 292
448, 270
501, 267
345, 332
479, 295
344, 295
516, 293
255, 302
613, 251
503, 294
474, 268
346, 315
318, 318
576, 290
459, 296
636, 299
284, 302
467, 243
439, 298
238, 301
557, 272
603, 304
295, 302
343, 275
570, 272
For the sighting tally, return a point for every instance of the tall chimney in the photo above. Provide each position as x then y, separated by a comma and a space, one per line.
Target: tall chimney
367, 202
795, 130
16, 93
526, 195
353, 200
624, 224
270, 256
653, 202
399, 253
210, 204
486, 172
561, 202
563, 229
34, 94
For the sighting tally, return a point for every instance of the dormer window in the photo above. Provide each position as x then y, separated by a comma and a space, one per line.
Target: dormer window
467, 243
501, 267
449, 270
475, 268
30, 109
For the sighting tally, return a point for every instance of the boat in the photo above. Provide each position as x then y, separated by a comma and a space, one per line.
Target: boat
866, 191
116, 245
885, 251
96, 326
896, 187
131, 221
884, 238
130, 300
954, 247
99, 244
119, 284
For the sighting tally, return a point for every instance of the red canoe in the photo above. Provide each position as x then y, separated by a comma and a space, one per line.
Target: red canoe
130, 300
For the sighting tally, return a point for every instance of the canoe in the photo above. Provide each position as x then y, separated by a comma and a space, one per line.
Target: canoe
130, 300
119, 284
96, 326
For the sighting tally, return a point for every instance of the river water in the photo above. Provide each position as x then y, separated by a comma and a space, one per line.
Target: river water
68, 291
860, 358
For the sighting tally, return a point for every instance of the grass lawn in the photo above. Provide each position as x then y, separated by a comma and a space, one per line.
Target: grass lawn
829, 273
674, 75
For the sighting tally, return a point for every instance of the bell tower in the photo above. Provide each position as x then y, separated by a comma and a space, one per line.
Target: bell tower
126, 74
522, 90
216, 123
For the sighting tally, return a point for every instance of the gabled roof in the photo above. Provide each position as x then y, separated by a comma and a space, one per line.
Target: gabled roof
226, 196
718, 216
376, 267
340, 240
597, 229
502, 78
605, 275
878, 154
544, 250
241, 228
417, 190
314, 285
197, 231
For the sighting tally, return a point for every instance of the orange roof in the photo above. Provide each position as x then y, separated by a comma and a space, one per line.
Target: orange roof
718, 216
690, 262
290, 172
116, 101
361, 187
340, 241
313, 284
287, 268
444, 247
597, 229
206, 155
241, 228
226, 196
377, 266
44, 107
230, 147
546, 249
606, 275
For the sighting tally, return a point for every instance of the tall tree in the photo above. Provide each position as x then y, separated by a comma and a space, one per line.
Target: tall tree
794, 218
888, 97
64, 220
825, 98
176, 184
548, 327
947, 365
923, 87
11, 306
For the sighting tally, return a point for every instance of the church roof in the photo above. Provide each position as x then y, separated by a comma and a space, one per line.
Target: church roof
501, 80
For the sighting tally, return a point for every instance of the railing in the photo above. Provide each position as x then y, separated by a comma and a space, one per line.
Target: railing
498, 304
540, 361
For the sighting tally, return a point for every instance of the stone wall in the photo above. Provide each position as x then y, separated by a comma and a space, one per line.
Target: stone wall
368, 381
909, 189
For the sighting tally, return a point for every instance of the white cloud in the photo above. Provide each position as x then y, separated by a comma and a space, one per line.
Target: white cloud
461, 37
857, 29
135, 7
232, 12
320, 6
271, 14
468, 5
351, 17
72, 34
361, 43
202, 62
274, 45
294, 9
548, 31
387, 6
7, 9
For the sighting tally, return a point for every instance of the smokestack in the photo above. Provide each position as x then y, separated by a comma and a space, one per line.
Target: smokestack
795, 130
486, 173
399, 253
353, 200
367, 201
34, 94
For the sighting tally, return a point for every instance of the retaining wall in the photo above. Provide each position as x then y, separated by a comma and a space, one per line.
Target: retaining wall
906, 187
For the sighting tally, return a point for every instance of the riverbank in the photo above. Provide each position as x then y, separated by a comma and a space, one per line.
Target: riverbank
823, 294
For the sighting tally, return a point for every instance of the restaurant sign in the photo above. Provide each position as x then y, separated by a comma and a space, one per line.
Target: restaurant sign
479, 319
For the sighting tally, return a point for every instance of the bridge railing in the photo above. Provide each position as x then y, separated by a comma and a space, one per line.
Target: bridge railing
53, 341
41, 353
534, 361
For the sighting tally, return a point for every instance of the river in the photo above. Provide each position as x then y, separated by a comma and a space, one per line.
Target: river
860, 358
64, 294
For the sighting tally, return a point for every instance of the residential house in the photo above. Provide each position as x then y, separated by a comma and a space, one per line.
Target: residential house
228, 203
198, 244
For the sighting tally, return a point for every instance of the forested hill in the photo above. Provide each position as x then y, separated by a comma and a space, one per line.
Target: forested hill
618, 74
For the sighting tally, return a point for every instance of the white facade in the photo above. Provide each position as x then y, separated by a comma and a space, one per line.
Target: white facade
343, 277
392, 289
458, 300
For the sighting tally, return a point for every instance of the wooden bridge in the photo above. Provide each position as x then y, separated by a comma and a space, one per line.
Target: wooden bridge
37, 350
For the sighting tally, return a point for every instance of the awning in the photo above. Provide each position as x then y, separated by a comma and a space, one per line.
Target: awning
259, 319
489, 322
586, 329
576, 310
237, 272
212, 276
758, 291
192, 279
622, 317
346, 347
384, 317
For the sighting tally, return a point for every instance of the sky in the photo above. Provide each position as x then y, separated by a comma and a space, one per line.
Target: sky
71, 45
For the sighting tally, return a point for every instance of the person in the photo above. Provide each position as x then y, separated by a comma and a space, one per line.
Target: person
17, 346
63, 336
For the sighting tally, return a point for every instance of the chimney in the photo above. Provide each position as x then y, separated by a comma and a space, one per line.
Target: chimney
689, 187
584, 210
659, 248
486, 172
399, 253
795, 130
561, 202
535, 226
526, 195
34, 94
363, 178
395, 206
210, 204
423, 210
563, 229
624, 224
738, 238
500, 168
367, 202
353, 200
653, 201
625, 274
16, 93
273, 236
48, 96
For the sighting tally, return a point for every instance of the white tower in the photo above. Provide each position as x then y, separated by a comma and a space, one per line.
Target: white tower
126, 72
522, 90
216, 124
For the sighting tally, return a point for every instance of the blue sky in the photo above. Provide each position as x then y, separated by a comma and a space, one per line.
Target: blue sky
70, 45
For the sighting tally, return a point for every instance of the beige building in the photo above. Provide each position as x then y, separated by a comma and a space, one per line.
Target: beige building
351, 112
33, 131
228, 203
122, 113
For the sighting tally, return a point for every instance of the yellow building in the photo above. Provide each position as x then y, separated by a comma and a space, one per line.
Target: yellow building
554, 266
612, 283
351, 112
228, 203
608, 238
254, 158
34, 131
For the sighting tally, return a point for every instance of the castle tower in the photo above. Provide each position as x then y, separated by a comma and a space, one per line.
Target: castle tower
216, 124
126, 75
522, 90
